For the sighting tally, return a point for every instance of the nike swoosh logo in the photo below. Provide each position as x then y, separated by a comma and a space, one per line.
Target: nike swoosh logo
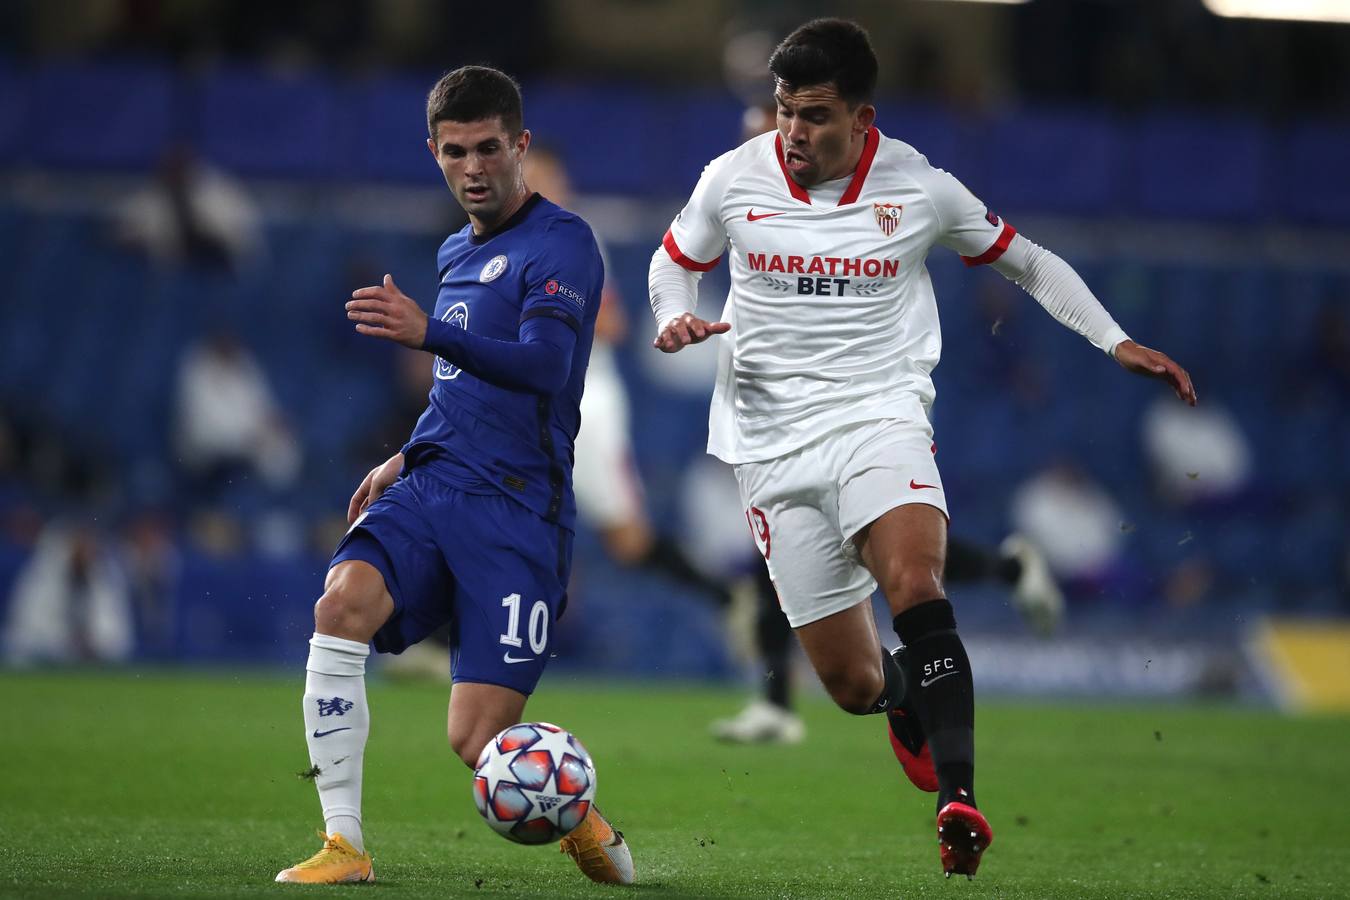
508, 658
318, 733
751, 217
927, 681
918, 487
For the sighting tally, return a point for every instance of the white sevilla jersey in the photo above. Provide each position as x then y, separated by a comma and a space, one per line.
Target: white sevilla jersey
832, 311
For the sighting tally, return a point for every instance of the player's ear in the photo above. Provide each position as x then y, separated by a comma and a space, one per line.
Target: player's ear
431, 145
863, 117
523, 142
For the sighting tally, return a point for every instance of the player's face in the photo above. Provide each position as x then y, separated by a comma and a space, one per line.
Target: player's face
481, 164
822, 135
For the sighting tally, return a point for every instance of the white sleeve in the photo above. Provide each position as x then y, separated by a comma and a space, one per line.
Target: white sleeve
964, 223
692, 245
673, 289
698, 235
967, 226
1058, 288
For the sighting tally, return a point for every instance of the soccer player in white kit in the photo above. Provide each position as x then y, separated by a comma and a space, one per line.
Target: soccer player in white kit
824, 389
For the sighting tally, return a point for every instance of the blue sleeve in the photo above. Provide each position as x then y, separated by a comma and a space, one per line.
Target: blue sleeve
564, 278
539, 363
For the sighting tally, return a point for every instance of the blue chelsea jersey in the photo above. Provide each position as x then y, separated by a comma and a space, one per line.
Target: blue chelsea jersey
488, 439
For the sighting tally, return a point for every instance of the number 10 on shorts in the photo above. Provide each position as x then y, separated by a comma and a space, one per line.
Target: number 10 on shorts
538, 626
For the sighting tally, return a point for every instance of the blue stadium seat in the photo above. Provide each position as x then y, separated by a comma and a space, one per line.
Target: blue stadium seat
1059, 161
254, 123
1313, 179
1302, 295
132, 105
318, 126
950, 143
1198, 168
247, 609
678, 164
390, 135
15, 133
634, 158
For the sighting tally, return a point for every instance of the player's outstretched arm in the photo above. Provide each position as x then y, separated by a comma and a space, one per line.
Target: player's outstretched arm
373, 485
539, 362
1060, 290
673, 291
681, 331
1151, 363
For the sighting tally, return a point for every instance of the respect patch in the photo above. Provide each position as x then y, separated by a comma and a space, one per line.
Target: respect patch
562, 289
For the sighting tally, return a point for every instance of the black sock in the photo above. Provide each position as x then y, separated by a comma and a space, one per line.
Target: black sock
942, 694
666, 556
894, 689
774, 636
905, 726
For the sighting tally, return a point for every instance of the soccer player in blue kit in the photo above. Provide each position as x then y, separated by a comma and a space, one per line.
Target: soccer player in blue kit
470, 523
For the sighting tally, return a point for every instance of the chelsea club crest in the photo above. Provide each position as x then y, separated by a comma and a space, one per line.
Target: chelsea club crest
495, 267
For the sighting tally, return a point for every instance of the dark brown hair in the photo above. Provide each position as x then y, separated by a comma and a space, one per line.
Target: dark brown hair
474, 93
828, 51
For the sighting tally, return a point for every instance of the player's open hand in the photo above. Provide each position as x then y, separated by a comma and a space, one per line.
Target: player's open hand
374, 484
1142, 360
687, 329
386, 312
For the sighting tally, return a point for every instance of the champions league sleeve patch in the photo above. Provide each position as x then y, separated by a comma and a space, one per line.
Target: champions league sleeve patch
555, 288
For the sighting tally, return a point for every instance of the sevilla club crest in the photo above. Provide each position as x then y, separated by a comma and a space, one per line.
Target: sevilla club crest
888, 217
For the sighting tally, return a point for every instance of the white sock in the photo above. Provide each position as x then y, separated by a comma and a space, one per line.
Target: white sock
337, 723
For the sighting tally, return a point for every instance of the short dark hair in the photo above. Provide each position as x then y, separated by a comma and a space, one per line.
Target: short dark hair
828, 51
474, 93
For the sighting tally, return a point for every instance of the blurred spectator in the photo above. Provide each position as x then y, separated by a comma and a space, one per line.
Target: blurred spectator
1327, 367
152, 568
1198, 456
1075, 523
192, 214
44, 468
13, 491
70, 603
228, 422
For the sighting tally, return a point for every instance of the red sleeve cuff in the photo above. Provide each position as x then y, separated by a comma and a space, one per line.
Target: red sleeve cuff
692, 265
1004, 239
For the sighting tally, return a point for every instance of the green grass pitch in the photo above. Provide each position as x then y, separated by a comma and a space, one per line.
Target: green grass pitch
178, 784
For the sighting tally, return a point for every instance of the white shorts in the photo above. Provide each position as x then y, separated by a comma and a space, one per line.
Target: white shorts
805, 508
604, 478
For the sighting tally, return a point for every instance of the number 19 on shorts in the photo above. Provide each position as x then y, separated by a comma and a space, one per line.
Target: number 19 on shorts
538, 624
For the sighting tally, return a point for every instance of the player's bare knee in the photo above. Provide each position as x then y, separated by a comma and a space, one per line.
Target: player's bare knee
912, 584
467, 745
854, 689
343, 613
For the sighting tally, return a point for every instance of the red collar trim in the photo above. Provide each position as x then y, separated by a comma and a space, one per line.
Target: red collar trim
855, 186
870, 144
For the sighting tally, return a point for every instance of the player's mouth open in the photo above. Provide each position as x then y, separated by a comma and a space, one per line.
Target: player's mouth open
795, 161
476, 191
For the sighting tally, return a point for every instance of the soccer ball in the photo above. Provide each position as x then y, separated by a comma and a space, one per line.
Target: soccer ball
534, 783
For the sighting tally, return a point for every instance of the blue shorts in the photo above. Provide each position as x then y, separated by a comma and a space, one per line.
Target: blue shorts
484, 564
